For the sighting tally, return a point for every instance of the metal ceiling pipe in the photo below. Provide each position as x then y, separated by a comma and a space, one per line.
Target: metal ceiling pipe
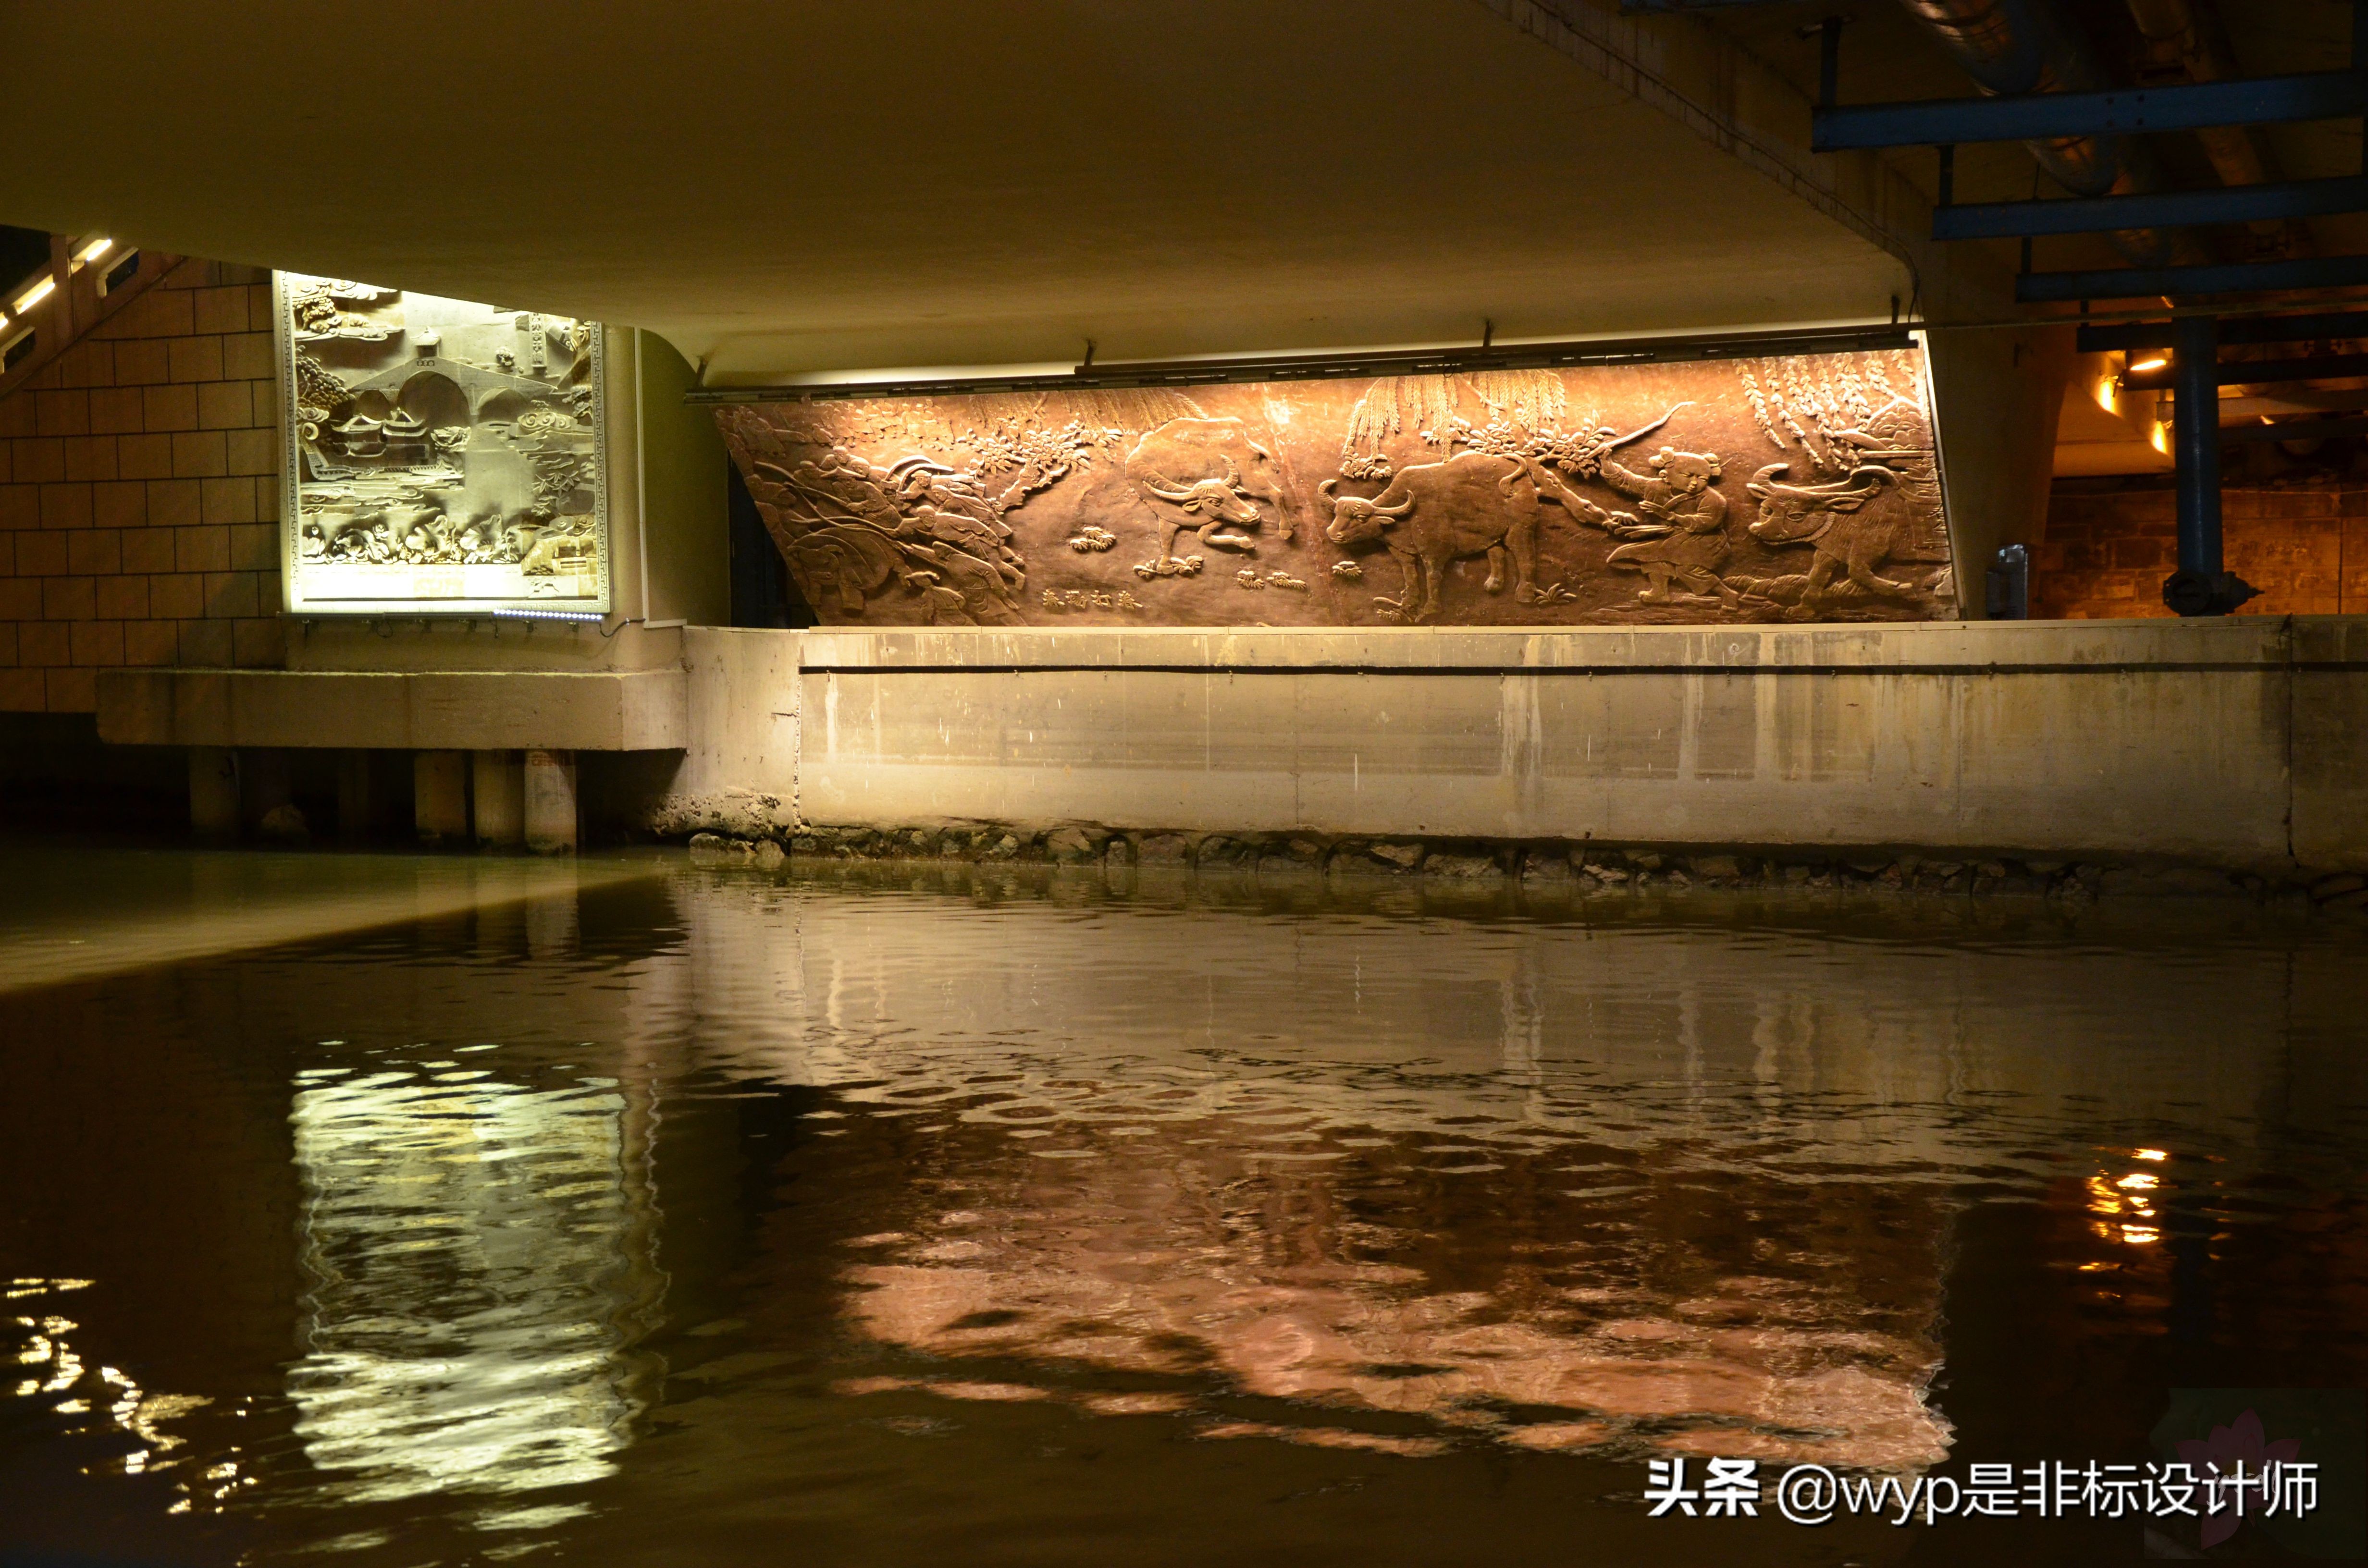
2014, 47
2184, 36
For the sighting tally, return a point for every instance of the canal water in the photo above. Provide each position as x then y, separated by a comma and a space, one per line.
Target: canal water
380, 1211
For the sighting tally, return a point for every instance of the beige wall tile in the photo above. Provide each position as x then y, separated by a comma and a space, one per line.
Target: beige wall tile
99, 643
197, 454
202, 549
169, 408
22, 691
150, 642
71, 690
95, 550
123, 598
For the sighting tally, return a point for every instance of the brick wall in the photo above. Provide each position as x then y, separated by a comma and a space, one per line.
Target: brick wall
140, 494
2106, 552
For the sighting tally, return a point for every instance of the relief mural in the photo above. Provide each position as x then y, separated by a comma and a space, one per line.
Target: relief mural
441, 455
1796, 489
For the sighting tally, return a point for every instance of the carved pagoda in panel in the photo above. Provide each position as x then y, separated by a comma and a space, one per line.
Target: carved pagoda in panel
440, 455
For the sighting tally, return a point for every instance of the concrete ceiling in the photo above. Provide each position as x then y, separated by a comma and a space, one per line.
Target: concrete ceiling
836, 184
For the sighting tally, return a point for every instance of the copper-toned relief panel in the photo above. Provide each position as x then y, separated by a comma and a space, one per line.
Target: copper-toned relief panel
1803, 488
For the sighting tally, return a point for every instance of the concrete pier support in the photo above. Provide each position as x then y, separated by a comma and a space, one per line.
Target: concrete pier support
497, 795
439, 796
264, 784
213, 794
551, 810
356, 804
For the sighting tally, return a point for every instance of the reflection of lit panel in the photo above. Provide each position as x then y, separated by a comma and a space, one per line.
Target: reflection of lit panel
476, 1264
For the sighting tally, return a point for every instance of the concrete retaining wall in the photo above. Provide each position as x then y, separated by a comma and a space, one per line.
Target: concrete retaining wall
2240, 742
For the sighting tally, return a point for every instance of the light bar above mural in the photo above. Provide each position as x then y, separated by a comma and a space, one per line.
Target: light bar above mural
442, 455
1793, 489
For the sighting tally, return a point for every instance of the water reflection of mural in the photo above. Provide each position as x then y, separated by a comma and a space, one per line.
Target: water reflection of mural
1208, 1271
440, 452
480, 1268
1004, 1205
1801, 488
1596, 1184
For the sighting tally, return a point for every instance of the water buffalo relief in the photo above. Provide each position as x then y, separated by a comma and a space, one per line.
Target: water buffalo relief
1801, 489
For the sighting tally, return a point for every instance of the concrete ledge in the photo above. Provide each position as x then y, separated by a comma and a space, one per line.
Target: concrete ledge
2232, 642
2240, 742
640, 711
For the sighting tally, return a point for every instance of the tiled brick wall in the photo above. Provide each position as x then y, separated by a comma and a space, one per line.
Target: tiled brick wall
2106, 552
139, 497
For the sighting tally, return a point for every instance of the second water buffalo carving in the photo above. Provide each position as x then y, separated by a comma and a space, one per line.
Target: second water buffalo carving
1852, 524
1209, 476
1434, 515
1797, 489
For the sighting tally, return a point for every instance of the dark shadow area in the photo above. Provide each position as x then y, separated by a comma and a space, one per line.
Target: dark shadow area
762, 594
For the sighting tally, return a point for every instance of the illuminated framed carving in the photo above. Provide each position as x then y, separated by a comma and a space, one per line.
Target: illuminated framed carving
440, 456
1800, 487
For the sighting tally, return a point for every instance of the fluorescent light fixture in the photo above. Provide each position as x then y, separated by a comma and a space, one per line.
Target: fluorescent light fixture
36, 294
547, 615
2153, 362
93, 251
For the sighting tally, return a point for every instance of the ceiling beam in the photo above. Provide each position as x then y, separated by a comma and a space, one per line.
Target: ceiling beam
2192, 105
2138, 282
2268, 202
2296, 430
2233, 329
2260, 372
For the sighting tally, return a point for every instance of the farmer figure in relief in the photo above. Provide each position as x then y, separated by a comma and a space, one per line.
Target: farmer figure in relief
1681, 534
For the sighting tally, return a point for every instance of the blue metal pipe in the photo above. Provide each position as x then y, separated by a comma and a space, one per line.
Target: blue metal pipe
2196, 412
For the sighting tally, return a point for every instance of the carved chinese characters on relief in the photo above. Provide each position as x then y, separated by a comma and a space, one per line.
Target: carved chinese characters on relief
1799, 489
442, 455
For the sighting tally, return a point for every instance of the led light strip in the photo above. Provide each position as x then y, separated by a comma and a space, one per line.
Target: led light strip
1323, 367
546, 615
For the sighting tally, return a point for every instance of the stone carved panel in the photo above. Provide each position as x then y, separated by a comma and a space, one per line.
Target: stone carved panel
1799, 489
441, 455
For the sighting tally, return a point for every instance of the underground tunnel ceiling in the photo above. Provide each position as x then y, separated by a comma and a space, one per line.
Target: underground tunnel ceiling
841, 185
